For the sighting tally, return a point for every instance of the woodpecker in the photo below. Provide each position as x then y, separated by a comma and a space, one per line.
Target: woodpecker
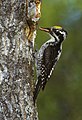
47, 56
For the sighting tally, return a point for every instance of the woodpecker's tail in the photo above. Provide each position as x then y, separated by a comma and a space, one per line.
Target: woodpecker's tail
37, 90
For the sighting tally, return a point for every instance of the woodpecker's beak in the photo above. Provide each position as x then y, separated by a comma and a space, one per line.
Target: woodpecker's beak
45, 29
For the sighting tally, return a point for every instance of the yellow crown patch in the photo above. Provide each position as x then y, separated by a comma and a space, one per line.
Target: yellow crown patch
58, 27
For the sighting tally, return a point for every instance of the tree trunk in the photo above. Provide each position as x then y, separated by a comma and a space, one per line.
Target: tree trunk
18, 23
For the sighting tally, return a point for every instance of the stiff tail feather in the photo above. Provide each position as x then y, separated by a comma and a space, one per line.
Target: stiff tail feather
37, 88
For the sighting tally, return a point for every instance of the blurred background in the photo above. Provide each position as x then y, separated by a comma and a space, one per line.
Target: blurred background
62, 97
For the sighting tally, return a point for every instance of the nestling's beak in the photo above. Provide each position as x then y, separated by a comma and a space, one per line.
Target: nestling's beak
45, 29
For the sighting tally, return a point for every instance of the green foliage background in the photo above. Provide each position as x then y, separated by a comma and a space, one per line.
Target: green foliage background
62, 97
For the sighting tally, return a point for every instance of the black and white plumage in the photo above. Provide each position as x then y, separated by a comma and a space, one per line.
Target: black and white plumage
47, 56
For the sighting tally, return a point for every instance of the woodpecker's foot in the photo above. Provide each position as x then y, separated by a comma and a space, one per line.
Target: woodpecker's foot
35, 52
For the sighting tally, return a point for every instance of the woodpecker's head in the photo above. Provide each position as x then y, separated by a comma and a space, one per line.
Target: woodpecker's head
56, 32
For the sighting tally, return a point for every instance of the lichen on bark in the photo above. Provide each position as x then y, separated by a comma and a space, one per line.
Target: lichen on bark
18, 23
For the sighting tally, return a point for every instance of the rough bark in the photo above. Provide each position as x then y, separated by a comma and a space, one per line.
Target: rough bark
18, 23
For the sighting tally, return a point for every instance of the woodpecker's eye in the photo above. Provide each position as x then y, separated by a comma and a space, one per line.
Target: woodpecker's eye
57, 32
